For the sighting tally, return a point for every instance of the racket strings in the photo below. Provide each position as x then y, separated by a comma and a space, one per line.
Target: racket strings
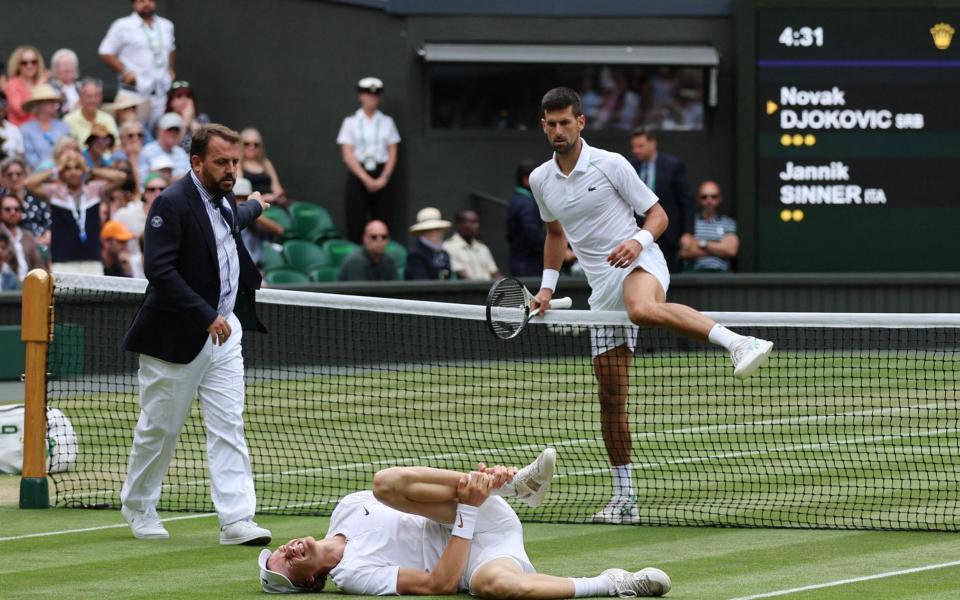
508, 309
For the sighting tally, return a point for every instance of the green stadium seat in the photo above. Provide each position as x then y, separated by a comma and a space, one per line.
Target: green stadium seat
270, 258
305, 256
286, 276
281, 218
339, 250
397, 253
312, 222
325, 274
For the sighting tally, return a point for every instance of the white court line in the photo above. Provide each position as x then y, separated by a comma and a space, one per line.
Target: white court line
118, 526
819, 586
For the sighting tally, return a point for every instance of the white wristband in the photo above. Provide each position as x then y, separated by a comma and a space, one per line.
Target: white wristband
645, 238
465, 521
550, 278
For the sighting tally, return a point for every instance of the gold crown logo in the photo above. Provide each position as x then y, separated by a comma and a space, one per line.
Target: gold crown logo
942, 35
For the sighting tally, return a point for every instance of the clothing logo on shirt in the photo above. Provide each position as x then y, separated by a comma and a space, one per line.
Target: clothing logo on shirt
365, 511
156, 222
592, 189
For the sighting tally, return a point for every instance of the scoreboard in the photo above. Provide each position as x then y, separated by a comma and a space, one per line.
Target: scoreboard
855, 136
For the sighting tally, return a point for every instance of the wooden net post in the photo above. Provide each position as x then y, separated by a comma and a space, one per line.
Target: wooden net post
36, 330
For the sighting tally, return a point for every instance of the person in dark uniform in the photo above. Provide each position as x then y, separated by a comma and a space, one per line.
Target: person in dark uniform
368, 143
188, 334
666, 175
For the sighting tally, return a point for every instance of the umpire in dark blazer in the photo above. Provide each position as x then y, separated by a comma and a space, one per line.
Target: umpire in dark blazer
188, 333
666, 175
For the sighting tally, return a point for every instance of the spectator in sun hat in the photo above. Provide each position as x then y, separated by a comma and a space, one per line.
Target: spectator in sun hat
40, 134
368, 145
128, 106
98, 145
427, 259
169, 131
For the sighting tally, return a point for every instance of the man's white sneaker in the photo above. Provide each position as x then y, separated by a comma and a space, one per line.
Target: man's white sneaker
621, 510
530, 484
645, 582
748, 355
145, 525
244, 532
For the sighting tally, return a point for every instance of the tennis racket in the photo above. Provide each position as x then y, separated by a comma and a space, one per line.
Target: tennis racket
508, 307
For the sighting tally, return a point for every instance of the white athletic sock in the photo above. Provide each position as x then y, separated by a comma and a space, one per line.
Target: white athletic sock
724, 337
622, 480
591, 587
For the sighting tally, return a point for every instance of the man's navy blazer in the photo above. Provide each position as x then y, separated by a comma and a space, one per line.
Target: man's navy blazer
180, 262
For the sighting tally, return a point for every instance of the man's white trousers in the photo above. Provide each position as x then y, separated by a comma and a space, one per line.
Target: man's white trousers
166, 394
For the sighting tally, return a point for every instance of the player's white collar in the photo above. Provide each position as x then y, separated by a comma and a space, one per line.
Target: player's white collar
583, 162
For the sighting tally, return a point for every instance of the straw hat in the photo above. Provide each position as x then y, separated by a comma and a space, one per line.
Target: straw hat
43, 92
127, 99
428, 219
99, 130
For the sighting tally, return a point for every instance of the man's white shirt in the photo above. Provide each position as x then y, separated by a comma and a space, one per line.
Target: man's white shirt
381, 541
143, 50
595, 204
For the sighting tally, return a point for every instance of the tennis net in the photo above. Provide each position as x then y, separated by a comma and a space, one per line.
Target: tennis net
852, 424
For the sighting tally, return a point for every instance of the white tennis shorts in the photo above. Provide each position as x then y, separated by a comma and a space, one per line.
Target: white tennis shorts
498, 534
608, 295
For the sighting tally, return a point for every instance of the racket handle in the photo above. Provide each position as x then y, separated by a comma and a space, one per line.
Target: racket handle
565, 302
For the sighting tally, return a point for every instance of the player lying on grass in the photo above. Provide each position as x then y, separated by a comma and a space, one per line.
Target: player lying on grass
431, 531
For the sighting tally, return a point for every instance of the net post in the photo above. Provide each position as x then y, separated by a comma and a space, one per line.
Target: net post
36, 332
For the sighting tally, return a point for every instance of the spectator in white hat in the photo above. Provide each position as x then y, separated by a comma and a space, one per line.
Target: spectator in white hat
169, 132
128, 106
368, 144
427, 259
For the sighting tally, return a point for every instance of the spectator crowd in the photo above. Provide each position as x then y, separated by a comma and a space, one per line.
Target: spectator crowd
78, 175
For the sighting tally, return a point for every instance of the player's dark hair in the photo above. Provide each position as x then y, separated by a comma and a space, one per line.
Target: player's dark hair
643, 132
201, 138
560, 98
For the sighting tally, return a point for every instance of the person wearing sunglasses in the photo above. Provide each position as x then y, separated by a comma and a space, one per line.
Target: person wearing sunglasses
22, 242
140, 48
258, 169
26, 70
371, 262
182, 100
714, 242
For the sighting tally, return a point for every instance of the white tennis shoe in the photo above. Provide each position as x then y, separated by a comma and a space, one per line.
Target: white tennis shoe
621, 510
145, 525
530, 484
748, 355
645, 582
244, 532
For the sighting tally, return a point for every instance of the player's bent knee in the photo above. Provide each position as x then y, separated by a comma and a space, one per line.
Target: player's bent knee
644, 313
502, 586
387, 483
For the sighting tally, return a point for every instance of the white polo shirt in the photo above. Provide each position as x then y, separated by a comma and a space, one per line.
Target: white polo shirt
595, 204
142, 49
370, 137
380, 541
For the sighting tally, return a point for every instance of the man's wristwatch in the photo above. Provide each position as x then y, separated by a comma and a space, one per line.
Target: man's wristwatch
702, 244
